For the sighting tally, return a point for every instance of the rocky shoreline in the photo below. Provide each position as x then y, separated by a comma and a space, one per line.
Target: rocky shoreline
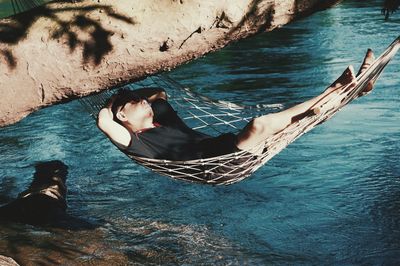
62, 51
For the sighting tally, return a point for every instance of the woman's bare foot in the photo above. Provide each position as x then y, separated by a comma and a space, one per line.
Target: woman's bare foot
346, 78
345, 82
368, 60
330, 95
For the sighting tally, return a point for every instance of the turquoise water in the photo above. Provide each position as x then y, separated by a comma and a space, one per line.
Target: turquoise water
332, 197
7, 7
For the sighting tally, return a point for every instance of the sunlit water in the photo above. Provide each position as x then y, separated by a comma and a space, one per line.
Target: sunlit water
332, 197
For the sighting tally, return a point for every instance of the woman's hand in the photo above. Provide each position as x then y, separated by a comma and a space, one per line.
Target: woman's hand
110, 101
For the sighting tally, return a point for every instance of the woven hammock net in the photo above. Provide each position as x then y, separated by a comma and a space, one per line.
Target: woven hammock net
215, 117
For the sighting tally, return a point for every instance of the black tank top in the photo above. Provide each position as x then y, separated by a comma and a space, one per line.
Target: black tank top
171, 140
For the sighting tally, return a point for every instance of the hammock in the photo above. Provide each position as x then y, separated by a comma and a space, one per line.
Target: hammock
215, 117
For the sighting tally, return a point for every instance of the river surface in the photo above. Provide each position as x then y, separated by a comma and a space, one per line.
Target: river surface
332, 197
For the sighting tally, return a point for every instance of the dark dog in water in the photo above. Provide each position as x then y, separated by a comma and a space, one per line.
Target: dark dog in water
44, 202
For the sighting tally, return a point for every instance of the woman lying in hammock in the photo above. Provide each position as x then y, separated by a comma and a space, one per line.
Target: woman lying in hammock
142, 123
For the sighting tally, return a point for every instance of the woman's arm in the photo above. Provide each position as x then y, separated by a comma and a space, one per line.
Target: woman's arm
152, 93
114, 131
117, 133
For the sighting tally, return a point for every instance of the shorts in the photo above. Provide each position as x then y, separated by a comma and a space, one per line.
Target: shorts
230, 169
223, 144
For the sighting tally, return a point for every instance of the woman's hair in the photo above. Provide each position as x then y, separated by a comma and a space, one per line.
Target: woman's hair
122, 97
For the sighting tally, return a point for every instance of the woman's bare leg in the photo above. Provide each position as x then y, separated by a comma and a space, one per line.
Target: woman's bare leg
265, 126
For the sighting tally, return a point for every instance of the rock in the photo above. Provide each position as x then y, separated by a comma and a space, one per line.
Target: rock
6, 261
44, 202
43, 51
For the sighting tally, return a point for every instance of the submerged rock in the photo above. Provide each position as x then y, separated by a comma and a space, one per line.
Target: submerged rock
45, 199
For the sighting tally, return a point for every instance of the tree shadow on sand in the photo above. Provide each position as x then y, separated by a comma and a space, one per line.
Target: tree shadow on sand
95, 45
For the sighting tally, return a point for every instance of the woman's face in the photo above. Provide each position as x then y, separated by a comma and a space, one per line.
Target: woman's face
137, 113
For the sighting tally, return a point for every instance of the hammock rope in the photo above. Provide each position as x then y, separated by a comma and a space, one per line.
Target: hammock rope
215, 117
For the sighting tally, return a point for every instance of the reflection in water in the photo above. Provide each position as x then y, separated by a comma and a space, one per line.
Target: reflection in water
389, 7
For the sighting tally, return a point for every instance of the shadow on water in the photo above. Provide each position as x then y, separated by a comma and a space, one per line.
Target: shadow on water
16, 28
